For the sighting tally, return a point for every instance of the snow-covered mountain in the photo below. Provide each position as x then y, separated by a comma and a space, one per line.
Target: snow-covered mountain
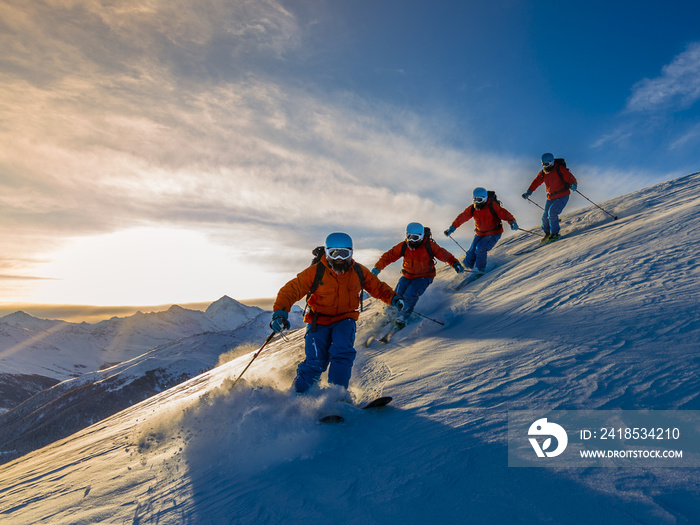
605, 319
37, 353
70, 405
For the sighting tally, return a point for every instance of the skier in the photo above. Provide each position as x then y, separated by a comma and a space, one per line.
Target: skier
419, 252
559, 183
488, 214
332, 315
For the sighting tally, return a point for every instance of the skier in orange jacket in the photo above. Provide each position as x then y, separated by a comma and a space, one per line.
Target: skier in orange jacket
333, 311
559, 183
419, 252
487, 213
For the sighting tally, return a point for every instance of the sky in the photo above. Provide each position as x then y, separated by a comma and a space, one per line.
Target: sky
156, 152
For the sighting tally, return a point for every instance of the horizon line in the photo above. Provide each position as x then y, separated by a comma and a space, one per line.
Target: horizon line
78, 313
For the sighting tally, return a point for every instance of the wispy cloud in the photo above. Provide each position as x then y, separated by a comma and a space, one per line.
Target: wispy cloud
652, 106
677, 87
160, 114
688, 139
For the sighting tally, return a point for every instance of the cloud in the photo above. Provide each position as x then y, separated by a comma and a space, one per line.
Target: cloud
165, 115
650, 107
109, 143
678, 86
689, 138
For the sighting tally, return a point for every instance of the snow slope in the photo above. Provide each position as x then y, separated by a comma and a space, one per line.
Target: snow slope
604, 319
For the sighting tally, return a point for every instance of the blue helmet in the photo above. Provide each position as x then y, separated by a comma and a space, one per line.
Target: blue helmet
547, 160
339, 251
480, 195
339, 240
415, 235
415, 229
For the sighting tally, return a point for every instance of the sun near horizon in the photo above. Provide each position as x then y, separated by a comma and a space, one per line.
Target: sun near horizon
141, 269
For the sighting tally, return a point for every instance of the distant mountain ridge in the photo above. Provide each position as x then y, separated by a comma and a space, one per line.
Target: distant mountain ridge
38, 353
29, 345
185, 343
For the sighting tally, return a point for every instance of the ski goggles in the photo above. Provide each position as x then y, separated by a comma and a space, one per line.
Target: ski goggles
413, 237
480, 200
548, 164
338, 254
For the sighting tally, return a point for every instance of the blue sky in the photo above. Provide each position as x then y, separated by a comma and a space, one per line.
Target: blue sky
158, 152
519, 77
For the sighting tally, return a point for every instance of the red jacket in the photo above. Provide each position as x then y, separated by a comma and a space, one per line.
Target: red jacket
555, 185
416, 262
484, 220
337, 296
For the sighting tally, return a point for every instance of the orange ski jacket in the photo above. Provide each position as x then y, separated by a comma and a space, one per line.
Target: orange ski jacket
485, 221
337, 296
417, 262
557, 186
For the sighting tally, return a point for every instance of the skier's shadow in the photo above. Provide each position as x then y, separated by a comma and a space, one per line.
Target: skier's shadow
396, 465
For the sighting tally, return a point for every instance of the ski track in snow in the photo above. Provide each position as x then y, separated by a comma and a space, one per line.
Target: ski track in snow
603, 319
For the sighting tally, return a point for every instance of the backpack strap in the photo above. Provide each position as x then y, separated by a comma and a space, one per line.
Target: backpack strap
320, 269
429, 249
361, 276
495, 215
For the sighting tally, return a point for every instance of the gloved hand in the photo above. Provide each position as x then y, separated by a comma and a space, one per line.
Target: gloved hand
513, 225
458, 267
279, 321
376, 271
527, 194
398, 302
573, 187
449, 231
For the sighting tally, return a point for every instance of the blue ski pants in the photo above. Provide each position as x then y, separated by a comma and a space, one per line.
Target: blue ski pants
552, 210
332, 345
476, 254
411, 290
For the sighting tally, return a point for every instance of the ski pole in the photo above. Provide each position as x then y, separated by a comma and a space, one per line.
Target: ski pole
453, 239
269, 338
533, 202
530, 232
429, 319
594, 204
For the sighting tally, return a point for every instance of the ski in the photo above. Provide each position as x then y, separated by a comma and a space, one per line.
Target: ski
377, 403
468, 279
390, 334
376, 335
